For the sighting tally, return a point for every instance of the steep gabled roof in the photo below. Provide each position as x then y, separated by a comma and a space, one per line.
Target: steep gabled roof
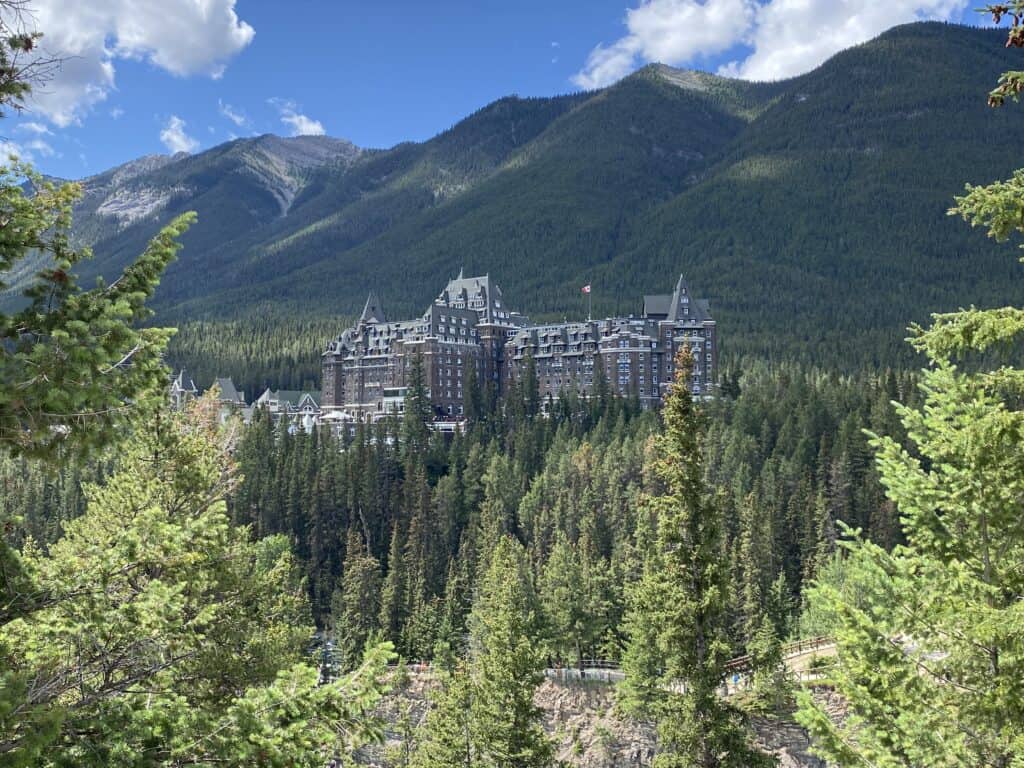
372, 312
295, 397
228, 392
183, 383
665, 306
313, 397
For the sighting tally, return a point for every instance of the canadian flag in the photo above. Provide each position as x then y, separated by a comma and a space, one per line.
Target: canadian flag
586, 288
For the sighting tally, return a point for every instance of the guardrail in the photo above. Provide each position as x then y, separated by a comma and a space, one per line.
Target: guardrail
789, 651
610, 671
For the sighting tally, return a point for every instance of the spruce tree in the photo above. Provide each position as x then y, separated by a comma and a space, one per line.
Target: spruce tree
530, 388
678, 613
393, 600
159, 634
474, 408
75, 364
565, 601
931, 646
931, 652
506, 665
418, 412
355, 605
446, 738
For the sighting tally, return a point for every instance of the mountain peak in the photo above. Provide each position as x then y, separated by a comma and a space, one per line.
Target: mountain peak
689, 79
303, 152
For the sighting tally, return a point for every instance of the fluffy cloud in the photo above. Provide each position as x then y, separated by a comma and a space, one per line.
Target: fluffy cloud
27, 151
300, 125
793, 36
606, 65
174, 137
782, 37
669, 31
183, 37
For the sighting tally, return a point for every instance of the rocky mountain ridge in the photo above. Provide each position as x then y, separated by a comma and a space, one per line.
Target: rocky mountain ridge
812, 211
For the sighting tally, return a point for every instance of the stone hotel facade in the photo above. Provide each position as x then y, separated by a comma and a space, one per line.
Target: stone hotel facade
469, 326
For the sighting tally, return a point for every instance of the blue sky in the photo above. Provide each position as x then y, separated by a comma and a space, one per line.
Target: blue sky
154, 76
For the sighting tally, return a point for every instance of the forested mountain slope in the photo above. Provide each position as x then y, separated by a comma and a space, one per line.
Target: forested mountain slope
809, 210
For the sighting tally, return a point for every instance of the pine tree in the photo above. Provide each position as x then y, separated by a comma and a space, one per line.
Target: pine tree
565, 602
474, 408
502, 493
931, 653
506, 665
530, 386
75, 364
765, 649
163, 635
418, 412
355, 605
393, 600
678, 616
446, 738
756, 549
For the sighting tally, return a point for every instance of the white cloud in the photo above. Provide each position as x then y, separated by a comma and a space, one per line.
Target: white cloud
669, 31
32, 126
236, 116
117, 113
28, 151
41, 147
301, 125
782, 38
607, 65
182, 37
793, 36
174, 137
10, 149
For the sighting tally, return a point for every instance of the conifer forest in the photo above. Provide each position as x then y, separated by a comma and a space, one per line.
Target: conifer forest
809, 533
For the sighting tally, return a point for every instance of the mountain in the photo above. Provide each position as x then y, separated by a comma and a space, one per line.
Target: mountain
811, 211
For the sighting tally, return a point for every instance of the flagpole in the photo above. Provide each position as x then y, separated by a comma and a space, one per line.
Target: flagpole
590, 303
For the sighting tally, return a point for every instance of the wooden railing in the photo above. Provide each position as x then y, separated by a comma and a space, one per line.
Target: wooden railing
792, 650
